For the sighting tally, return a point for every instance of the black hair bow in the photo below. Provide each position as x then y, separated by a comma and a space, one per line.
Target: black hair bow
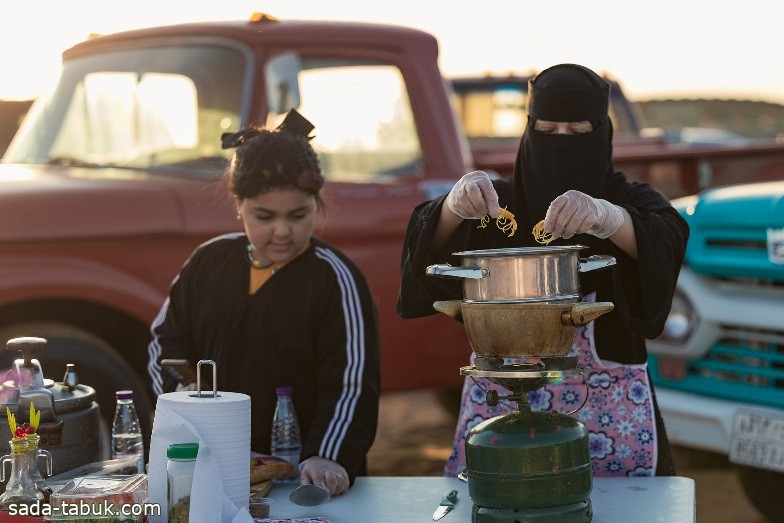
294, 123
297, 124
230, 140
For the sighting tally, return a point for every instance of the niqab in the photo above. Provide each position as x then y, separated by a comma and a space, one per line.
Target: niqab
548, 165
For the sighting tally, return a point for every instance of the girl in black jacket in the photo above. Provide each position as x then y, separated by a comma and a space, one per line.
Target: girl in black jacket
275, 306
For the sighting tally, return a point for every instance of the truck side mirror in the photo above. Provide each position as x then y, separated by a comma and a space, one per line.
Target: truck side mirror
281, 74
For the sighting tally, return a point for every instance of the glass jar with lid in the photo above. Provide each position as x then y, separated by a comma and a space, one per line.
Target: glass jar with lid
179, 473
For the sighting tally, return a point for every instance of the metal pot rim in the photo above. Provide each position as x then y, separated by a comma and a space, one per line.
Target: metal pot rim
519, 251
538, 306
551, 298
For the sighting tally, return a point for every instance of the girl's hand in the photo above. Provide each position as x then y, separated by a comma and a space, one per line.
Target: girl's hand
324, 473
473, 196
575, 212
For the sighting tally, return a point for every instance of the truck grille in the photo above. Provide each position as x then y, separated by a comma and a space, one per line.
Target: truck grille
737, 244
743, 364
732, 252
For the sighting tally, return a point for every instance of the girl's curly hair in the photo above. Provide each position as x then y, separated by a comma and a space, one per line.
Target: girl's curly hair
266, 160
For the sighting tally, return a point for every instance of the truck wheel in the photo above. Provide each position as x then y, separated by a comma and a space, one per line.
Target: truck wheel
98, 365
763, 488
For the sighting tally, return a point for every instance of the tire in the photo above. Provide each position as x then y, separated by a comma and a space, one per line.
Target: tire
764, 488
98, 365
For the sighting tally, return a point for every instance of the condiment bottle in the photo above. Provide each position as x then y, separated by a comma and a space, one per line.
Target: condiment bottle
179, 474
35, 473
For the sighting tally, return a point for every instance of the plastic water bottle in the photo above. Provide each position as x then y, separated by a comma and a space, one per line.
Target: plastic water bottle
126, 430
286, 443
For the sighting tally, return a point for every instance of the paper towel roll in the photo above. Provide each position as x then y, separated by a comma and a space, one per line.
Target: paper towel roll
221, 427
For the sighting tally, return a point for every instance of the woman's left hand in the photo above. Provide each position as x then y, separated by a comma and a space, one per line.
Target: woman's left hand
324, 473
575, 212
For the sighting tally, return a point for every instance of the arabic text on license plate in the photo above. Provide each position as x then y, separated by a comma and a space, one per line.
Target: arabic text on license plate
758, 441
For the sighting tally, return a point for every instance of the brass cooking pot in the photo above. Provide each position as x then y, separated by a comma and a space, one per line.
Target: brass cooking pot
522, 330
546, 273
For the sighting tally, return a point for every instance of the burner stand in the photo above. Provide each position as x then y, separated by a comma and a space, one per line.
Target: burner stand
523, 377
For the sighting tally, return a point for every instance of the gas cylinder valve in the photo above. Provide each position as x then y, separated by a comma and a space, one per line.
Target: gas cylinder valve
491, 396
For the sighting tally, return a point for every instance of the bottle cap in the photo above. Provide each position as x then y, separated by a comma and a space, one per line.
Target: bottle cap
183, 451
124, 394
283, 391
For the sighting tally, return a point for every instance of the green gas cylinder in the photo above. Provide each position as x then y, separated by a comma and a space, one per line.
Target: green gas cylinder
529, 467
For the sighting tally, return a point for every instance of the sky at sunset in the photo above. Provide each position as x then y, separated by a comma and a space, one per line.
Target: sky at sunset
665, 48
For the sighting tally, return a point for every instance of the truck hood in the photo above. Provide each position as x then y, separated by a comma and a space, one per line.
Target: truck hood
733, 231
52, 203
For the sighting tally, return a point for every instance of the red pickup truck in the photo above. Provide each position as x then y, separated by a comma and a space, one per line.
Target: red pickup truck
115, 178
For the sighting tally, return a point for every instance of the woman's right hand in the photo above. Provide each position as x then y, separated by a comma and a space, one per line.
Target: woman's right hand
473, 196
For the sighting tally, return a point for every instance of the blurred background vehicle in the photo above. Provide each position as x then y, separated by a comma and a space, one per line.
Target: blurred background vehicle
719, 364
752, 119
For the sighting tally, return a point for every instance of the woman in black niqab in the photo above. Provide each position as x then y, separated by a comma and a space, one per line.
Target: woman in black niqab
564, 174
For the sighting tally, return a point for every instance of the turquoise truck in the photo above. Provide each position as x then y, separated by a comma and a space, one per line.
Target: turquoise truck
718, 366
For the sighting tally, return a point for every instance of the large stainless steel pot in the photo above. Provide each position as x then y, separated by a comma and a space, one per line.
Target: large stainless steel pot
522, 330
522, 274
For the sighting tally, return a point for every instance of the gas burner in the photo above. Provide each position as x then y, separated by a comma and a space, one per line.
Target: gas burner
526, 364
521, 376
510, 372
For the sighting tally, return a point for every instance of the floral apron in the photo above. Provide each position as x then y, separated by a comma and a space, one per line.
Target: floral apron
618, 412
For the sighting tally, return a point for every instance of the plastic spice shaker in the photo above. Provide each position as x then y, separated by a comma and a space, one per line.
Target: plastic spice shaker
179, 475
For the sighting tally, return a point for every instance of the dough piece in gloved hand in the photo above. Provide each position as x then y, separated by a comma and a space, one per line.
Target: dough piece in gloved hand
473, 196
575, 212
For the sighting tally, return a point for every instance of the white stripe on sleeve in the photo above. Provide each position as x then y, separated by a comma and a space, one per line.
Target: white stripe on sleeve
355, 357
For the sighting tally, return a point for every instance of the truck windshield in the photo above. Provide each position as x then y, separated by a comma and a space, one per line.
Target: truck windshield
138, 108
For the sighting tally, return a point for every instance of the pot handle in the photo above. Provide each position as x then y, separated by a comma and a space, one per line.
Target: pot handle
597, 261
452, 308
584, 313
456, 272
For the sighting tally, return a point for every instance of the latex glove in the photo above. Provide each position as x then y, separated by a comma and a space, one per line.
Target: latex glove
575, 212
473, 196
325, 473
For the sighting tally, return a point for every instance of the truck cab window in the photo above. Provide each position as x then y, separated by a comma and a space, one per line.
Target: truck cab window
498, 112
116, 118
162, 107
365, 129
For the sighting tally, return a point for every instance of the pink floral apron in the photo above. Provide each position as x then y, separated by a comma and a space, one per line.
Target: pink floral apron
618, 412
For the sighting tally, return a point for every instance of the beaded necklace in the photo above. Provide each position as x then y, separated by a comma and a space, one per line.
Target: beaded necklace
258, 264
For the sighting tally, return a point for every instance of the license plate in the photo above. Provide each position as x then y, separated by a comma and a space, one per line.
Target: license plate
758, 441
